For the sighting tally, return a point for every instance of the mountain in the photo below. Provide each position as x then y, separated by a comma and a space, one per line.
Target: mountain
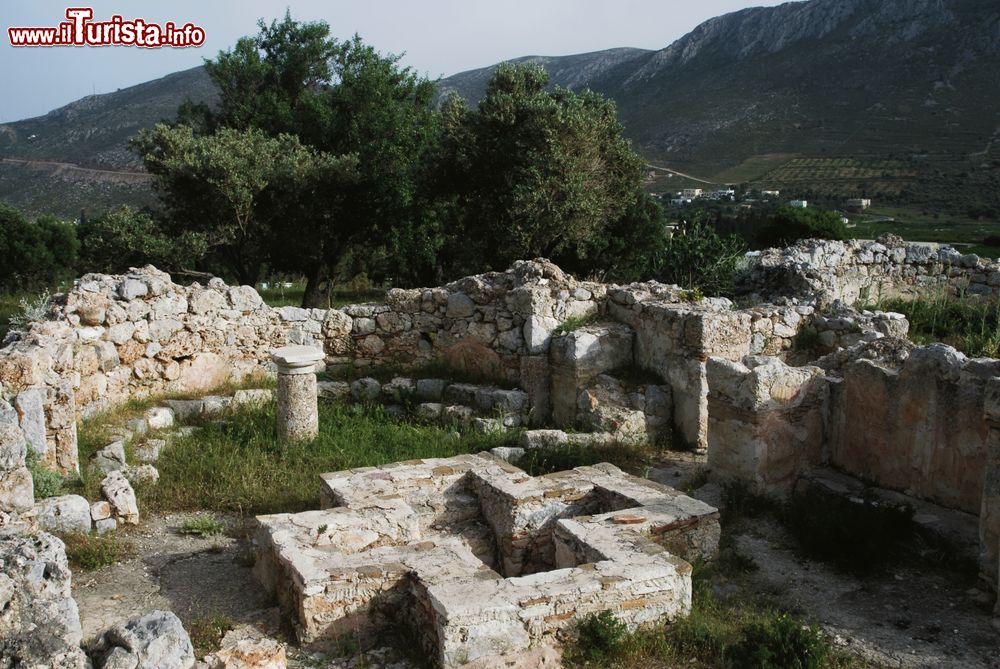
888, 98
902, 90
77, 157
574, 72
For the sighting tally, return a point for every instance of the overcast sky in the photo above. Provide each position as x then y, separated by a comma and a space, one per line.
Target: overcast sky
439, 37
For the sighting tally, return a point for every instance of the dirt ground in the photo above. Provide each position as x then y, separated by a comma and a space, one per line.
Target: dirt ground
907, 618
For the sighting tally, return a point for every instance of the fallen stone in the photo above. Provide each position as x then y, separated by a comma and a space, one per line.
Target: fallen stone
63, 514
100, 510
429, 411
508, 453
109, 459
149, 450
105, 525
119, 493
159, 418
246, 648
157, 640
142, 474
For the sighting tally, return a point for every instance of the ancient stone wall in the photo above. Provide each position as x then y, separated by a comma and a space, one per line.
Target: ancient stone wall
864, 271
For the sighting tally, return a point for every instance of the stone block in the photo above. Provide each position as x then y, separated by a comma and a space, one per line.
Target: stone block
64, 514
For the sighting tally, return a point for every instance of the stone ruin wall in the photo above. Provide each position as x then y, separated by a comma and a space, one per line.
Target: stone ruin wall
865, 271
114, 338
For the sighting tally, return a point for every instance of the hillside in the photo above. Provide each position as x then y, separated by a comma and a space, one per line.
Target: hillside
744, 94
892, 99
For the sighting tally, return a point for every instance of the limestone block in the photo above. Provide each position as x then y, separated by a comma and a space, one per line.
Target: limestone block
16, 490
40, 624
156, 640
333, 390
430, 390
118, 491
254, 397
159, 418
67, 513
13, 446
110, 458
100, 510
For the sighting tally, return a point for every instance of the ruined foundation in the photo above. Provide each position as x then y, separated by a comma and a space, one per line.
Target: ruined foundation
481, 559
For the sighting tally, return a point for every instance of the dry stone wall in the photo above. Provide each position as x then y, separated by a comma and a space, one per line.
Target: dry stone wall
858, 271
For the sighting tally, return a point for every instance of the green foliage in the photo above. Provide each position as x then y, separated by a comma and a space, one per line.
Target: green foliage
535, 173
600, 636
35, 253
124, 238
700, 259
859, 537
541, 461
779, 643
238, 191
92, 551
972, 325
47, 483
204, 526
790, 224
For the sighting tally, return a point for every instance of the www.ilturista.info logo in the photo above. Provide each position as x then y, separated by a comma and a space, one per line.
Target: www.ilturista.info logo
80, 30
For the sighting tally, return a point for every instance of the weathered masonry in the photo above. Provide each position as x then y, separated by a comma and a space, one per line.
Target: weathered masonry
790, 381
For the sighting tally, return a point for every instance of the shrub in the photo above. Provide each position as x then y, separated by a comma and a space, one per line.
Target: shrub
701, 261
32, 310
202, 526
206, 632
47, 483
780, 643
90, 551
601, 636
788, 225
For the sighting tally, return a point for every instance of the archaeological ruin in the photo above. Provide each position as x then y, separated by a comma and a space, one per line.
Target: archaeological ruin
792, 384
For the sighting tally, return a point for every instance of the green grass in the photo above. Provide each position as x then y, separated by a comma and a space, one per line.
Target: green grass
972, 325
632, 458
204, 526
241, 466
574, 323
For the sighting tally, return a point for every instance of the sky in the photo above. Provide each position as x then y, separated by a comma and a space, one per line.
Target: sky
438, 37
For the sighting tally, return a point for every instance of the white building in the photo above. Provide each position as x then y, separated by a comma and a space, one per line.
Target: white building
799, 204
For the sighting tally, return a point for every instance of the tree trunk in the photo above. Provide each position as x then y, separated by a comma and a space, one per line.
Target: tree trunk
314, 297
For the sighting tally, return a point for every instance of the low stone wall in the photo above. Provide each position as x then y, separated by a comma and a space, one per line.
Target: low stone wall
857, 270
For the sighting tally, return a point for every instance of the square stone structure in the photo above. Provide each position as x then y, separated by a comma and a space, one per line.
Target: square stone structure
480, 559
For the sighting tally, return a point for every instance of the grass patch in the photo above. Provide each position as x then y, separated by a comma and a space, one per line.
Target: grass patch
203, 526
574, 323
91, 551
434, 370
206, 632
241, 466
972, 325
737, 630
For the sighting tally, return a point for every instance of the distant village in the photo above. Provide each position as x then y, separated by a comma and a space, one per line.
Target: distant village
690, 195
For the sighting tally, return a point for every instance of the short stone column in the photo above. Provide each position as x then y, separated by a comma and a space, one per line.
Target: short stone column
298, 413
